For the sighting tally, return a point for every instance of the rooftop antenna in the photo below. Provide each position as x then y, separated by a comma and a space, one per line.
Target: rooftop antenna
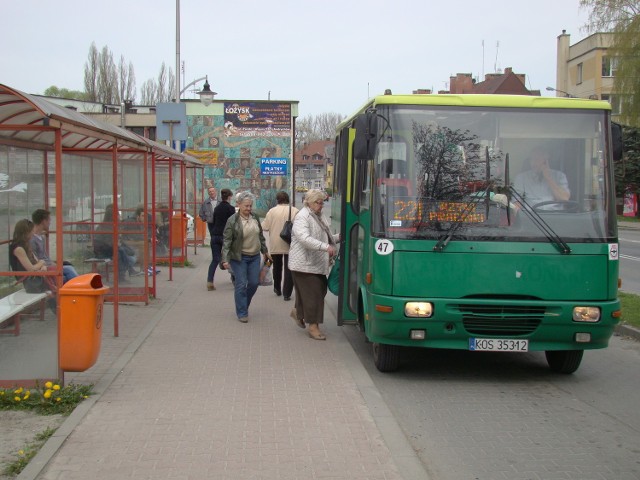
184, 80
495, 65
482, 58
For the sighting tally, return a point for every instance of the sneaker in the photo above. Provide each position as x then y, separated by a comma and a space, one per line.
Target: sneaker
150, 271
243, 319
134, 273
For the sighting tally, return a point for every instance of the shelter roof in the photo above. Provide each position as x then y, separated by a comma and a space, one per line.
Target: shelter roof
31, 120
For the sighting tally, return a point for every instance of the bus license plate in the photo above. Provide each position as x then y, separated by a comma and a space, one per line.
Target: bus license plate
498, 345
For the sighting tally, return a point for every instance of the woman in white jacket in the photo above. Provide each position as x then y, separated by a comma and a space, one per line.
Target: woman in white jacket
313, 250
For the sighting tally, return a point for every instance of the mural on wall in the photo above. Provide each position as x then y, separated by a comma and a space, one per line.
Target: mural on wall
233, 147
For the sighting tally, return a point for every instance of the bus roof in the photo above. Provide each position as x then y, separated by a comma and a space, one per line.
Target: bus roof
483, 100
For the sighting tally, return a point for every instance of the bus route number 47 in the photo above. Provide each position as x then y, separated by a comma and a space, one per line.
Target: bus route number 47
383, 247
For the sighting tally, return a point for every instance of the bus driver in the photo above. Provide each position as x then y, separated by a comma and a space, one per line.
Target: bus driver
540, 183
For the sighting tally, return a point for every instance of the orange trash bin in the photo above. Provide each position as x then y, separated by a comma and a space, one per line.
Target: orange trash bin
81, 302
178, 230
201, 230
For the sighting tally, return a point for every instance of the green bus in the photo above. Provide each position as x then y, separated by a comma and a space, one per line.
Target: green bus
478, 222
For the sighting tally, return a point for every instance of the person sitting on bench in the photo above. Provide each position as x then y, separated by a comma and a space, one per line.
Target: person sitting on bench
103, 247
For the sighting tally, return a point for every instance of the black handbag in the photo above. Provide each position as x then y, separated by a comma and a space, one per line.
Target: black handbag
285, 234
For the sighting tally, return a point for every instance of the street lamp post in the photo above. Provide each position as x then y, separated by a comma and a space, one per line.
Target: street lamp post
566, 94
206, 95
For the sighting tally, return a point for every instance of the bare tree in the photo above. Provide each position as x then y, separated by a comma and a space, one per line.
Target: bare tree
91, 74
326, 123
149, 93
312, 128
107, 78
127, 81
166, 84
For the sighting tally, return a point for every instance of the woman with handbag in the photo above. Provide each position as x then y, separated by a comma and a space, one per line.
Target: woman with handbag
22, 259
274, 223
243, 242
313, 250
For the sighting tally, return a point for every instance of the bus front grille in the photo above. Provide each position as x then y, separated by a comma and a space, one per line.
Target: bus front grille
500, 320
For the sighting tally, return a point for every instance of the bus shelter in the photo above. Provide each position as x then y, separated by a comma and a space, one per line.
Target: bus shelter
90, 175
175, 178
195, 197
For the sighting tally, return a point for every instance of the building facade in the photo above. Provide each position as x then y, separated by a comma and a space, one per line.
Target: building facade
313, 166
585, 69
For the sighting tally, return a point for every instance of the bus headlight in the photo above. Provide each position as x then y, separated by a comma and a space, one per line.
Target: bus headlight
418, 309
586, 314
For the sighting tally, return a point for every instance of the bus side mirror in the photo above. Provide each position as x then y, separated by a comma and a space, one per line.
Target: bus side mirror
364, 145
616, 141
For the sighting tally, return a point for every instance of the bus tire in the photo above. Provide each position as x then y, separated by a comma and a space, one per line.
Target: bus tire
564, 361
386, 357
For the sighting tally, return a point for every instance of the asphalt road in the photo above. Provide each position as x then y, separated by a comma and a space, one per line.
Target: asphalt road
481, 416
630, 260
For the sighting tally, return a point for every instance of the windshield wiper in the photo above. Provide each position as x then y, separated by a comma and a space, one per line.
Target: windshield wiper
539, 222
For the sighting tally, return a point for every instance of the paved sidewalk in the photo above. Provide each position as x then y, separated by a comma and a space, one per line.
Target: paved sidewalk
188, 392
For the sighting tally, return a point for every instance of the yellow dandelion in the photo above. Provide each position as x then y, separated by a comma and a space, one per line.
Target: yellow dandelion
48, 384
56, 387
17, 399
47, 394
1, 392
26, 395
58, 399
20, 452
18, 391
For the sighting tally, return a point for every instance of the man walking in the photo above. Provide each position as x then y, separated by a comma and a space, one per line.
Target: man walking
207, 208
206, 215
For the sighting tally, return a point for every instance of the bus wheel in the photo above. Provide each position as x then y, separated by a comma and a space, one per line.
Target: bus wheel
564, 361
386, 357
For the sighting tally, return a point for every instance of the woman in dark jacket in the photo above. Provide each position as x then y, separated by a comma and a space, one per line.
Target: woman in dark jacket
243, 242
221, 214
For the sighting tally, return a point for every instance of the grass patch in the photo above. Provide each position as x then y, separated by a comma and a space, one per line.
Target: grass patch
28, 452
630, 308
186, 263
48, 399
628, 219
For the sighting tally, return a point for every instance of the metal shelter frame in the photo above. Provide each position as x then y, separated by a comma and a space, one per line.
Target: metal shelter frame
43, 138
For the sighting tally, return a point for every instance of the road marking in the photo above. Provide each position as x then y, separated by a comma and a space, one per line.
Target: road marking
629, 257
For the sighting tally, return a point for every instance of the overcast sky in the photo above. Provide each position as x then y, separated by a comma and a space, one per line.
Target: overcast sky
330, 55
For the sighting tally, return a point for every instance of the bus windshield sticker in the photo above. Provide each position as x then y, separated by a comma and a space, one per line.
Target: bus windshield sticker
392, 150
383, 247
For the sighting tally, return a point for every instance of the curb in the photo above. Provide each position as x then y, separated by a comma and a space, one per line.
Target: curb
628, 331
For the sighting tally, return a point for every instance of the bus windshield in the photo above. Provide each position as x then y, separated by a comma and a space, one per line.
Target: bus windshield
487, 174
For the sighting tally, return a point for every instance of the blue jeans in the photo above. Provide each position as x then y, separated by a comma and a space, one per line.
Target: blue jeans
216, 256
68, 272
247, 274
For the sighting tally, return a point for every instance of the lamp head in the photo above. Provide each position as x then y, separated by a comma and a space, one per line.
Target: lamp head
206, 95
